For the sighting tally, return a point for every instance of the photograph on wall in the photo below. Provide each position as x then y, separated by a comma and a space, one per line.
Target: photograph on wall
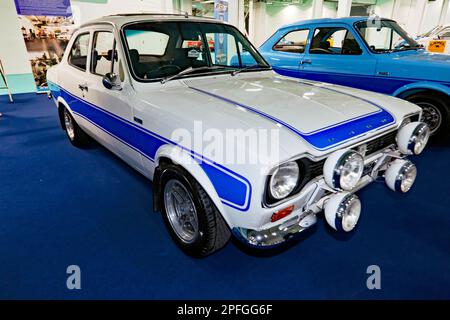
46, 29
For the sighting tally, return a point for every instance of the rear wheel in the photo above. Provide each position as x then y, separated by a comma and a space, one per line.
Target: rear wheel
191, 217
435, 113
75, 134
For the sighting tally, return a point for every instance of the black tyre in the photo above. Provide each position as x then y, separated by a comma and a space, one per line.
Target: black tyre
75, 134
436, 112
191, 217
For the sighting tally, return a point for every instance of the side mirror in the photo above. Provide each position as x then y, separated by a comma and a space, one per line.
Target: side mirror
111, 81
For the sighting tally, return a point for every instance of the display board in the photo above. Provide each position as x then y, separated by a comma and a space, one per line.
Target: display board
437, 46
220, 40
46, 29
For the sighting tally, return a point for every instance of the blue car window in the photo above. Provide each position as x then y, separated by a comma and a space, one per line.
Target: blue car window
384, 36
294, 41
334, 40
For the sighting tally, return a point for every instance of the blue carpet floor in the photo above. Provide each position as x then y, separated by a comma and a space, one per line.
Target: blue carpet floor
61, 206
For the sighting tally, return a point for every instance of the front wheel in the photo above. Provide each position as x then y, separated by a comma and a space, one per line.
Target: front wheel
435, 113
75, 134
191, 217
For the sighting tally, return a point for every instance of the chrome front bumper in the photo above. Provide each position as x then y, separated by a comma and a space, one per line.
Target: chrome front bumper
277, 234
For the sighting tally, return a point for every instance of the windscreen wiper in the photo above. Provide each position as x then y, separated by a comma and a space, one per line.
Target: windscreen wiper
253, 66
187, 71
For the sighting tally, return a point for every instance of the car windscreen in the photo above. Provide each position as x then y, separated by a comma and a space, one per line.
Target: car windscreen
385, 36
157, 50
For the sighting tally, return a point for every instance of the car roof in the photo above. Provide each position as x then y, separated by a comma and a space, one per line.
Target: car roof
120, 19
347, 20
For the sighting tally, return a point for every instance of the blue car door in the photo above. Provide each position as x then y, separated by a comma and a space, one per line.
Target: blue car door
288, 52
336, 55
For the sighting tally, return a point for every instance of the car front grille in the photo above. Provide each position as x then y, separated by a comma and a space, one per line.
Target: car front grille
316, 168
381, 142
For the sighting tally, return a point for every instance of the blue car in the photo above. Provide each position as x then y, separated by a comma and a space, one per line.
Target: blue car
366, 53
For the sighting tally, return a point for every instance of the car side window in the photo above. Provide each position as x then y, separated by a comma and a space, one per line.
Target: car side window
102, 54
334, 40
79, 52
294, 41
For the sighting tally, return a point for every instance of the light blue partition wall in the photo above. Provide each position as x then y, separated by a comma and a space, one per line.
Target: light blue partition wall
13, 52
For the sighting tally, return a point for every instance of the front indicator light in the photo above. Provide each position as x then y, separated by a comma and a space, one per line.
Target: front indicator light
280, 214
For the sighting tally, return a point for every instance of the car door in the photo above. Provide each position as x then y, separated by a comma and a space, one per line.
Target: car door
336, 55
288, 52
111, 114
76, 68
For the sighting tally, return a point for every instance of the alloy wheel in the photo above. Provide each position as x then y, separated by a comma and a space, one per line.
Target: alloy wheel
181, 211
68, 123
431, 115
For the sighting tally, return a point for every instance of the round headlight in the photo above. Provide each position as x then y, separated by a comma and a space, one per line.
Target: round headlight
284, 180
342, 211
343, 169
409, 176
400, 175
413, 137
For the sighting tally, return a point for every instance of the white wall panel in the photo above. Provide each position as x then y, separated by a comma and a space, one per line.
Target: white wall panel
12, 49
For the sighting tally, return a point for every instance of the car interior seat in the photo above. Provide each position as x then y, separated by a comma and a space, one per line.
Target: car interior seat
134, 57
139, 68
324, 45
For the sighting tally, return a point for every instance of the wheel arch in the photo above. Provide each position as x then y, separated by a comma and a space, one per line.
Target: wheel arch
171, 154
61, 103
422, 87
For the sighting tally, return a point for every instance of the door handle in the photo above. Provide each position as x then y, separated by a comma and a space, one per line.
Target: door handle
83, 87
136, 119
306, 61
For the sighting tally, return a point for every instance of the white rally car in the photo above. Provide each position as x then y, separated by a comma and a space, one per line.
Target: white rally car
165, 92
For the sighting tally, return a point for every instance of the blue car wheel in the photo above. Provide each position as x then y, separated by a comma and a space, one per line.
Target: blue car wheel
436, 111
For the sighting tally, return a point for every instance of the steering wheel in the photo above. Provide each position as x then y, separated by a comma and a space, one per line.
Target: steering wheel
321, 50
153, 73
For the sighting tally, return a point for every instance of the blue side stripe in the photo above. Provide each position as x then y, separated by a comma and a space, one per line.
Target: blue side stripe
233, 189
331, 136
